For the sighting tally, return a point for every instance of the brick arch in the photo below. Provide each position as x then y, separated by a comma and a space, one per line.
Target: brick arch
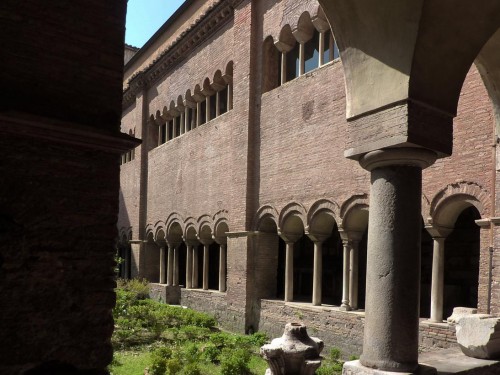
203, 221
292, 210
317, 210
190, 224
451, 200
159, 231
293, 13
219, 218
173, 218
265, 212
354, 213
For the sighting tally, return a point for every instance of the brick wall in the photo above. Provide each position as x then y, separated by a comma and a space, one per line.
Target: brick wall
58, 207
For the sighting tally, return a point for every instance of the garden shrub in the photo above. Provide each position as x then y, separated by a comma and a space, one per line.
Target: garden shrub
234, 362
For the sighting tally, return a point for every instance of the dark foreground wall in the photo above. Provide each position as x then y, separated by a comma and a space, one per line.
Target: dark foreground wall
61, 76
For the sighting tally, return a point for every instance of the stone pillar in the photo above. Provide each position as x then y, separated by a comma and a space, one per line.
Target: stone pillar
439, 235
222, 241
353, 274
222, 268
176, 265
230, 96
318, 267
183, 123
289, 272
206, 254
345, 275
206, 257
187, 125
302, 62
170, 264
217, 104
283, 67
195, 267
198, 114
321, 57
208, 111
289, 239
393, 272
189, 265
162, 246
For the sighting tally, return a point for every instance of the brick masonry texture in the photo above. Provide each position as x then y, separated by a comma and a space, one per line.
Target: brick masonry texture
276, 149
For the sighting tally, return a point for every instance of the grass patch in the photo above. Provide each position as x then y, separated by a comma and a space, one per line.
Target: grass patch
171, 340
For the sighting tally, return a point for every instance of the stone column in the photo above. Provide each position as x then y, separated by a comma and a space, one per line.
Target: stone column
222, 268
198, 114
183, 122
206, 258
162, 246
206, 254
176, 265
393, 272
289, 272
302, 62
439, 235
290, 240
230, 96
353, 274
189, 265
345, 275
318, 267
283, 67
222, 241
208, 112
187, 125
170, 264
321, 52
195, 267
217, 104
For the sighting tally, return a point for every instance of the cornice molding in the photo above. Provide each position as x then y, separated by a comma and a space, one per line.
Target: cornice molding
52, 130
202, 29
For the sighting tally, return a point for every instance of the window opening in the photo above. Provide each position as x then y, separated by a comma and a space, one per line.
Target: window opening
223, 101
292, 63
311, 53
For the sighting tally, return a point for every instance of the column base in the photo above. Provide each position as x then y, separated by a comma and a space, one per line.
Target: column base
356, 368
345, 308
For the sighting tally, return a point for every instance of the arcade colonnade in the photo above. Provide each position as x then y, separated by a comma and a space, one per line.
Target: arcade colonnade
381, 84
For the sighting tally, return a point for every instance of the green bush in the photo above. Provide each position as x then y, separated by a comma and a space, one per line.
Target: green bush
235, 362
191, 369
138, 287
160, 358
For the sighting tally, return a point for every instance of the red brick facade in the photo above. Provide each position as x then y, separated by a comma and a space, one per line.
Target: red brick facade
275, 162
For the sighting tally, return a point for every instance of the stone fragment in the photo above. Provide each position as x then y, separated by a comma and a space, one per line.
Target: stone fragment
459, 312
479, 336
295, 353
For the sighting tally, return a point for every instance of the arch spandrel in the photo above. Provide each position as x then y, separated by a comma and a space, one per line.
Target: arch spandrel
322, 217
265, 217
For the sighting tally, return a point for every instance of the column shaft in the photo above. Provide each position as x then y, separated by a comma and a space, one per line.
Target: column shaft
189, 266
393, 271
302, 63
283, 68
162, 264
183, 123
187, 125
289, 272
437, 286
198, 114
195, 267
222, 268
345, 276
353, 275
217, 104
170, 266
317, 273
321, 57
176, 266
208, 112
205, 266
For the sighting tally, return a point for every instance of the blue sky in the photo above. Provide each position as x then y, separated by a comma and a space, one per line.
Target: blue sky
144, 17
